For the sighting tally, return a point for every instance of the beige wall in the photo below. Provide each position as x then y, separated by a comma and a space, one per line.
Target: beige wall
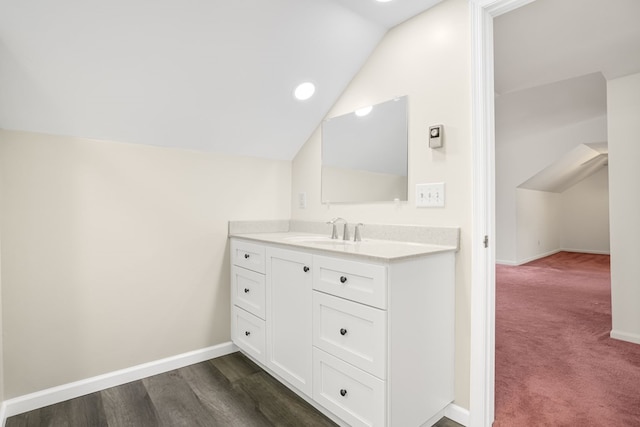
584, 210
1, 334
116, 254
519, 159
538, 227
426, 58
574, 220
623, 104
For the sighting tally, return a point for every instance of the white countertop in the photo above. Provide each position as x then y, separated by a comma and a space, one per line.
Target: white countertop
381, 250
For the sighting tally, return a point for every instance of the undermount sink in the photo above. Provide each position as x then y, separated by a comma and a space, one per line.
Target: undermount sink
328, 242
334, 242
318, 240
307, 239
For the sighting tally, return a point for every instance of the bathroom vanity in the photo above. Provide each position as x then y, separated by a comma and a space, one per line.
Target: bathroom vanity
362, 330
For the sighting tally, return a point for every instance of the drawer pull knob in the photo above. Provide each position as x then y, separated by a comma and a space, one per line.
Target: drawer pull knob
343, 279
246, 256
247, 333
246, 290
343, 331
305, 269
343, 392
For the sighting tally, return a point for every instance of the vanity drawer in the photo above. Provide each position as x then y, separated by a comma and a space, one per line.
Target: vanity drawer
248, 333
355, 333
353, 395
248, 255
353, 280
248, 290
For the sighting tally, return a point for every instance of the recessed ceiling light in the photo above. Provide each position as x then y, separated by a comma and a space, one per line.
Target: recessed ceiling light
383, 1
361, 112
304, 91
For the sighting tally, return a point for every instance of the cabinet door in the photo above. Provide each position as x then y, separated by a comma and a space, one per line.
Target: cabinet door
289, 283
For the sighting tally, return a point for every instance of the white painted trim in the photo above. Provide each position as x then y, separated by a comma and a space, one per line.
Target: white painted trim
482, 348
75, 389
496, 8
539, 256
585, 251
546, 254
625, 336
3, 414
451, 411
434, 419
457, 414
482, 382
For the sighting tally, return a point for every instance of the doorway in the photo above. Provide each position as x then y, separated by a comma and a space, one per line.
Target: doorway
483, 282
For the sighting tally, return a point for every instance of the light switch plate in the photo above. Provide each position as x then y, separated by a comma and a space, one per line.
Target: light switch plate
430, 195
302, 200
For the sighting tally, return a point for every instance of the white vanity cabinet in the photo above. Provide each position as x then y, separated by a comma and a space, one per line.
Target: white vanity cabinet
289, 316
368, 340
248, 298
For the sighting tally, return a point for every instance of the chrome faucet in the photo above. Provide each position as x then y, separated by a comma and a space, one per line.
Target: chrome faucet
357, 235
334, 231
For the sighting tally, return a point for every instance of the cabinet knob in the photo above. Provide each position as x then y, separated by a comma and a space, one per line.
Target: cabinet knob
246, 256
343, 279
343, 392
343, 331
247, 333
246, 290
305, 269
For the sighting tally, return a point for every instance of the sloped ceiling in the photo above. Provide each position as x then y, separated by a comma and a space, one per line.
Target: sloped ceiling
550, 41
552, 61
538, 109
569, 169
553, 58
196, 74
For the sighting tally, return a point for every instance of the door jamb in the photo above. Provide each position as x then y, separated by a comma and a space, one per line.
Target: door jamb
482, 365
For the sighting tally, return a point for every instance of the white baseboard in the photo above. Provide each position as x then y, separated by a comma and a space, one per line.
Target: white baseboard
457, 413
3, 414
75, 389
586, 251
453, 412
625, 336
535, 257
58, 394
546, 254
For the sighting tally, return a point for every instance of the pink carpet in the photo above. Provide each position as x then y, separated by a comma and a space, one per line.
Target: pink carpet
555, 363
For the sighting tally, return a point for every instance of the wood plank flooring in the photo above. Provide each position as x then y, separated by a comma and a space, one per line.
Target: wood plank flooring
227, 391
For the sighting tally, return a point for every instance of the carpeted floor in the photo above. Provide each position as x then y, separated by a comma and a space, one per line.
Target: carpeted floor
555, 363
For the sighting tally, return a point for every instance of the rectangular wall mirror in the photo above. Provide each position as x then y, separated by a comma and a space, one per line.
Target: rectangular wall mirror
364, 154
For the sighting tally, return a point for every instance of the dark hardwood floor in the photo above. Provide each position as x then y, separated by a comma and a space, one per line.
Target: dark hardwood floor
227, 391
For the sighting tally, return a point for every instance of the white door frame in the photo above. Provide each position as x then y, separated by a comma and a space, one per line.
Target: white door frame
483, 283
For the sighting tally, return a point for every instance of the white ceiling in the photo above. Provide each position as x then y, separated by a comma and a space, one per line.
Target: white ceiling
549, 41
553, 58
197, 74
388, 14
552, 61
554, 105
